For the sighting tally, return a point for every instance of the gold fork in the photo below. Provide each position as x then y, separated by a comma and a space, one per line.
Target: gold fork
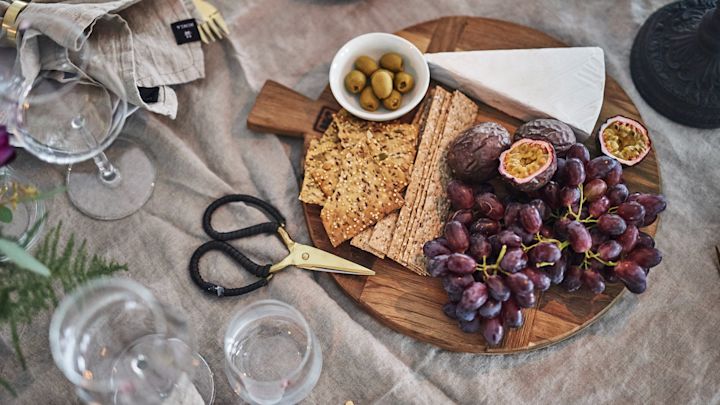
213, 27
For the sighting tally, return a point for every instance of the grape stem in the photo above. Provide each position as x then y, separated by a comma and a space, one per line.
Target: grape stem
484, 267
592, 255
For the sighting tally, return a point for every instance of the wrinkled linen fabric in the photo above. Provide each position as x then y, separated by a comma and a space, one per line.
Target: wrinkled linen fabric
660, 347
130, 38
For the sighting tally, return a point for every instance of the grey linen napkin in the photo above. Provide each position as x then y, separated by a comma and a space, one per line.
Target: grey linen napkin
133, 38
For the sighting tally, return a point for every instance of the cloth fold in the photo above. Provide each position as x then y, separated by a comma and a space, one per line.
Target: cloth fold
132, 38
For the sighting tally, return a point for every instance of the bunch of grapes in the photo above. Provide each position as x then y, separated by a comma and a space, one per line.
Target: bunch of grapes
580, 229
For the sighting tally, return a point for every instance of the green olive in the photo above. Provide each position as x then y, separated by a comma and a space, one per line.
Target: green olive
392, 74
366, 64
382, 84
368, 101
392, 62
355, 81
404, 82
393, 101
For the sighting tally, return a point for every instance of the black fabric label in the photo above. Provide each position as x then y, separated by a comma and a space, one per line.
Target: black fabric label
185, 31
149, 94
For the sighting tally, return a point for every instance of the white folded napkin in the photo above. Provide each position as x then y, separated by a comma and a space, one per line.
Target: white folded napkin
133, 37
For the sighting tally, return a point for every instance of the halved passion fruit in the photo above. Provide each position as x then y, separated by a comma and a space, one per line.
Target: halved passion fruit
624, 139
529, 164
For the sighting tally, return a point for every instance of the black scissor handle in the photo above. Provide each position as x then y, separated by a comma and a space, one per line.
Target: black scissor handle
262, 272
267, 227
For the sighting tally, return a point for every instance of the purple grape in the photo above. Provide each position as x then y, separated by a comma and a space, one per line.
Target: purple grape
489, 206
474, 296
526, 299
525, 236
560, 227
645, 240
459, 263
617, 194
455, 285
460, 195
482, 188
540, 280
449, 310
509, 238
608, 274
542, 208
645, 257
492, 331
519, 283
632, 275
560, 173
594, 189
479, 247
594, 281
580, 152
497, 288
465, 217
609, 250
544, 252
437, 266
546, 231
614, 176
600, 167
654, 204
572, 281
551, 194
556, 272
512, 314
574, 172
628, 239
611, 224
471, 326
632, 212
649, 220
485, 226
514, 260
598, 238
435, 248
490, 309
495, 244
465, 314
579, 237
530, 218
599, 206
457, 236
569, 196
512, 210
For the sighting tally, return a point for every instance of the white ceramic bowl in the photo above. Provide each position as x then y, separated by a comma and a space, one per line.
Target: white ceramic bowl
375, 45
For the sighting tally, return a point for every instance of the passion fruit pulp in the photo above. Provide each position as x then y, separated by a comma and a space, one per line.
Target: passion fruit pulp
624, 139
529, 164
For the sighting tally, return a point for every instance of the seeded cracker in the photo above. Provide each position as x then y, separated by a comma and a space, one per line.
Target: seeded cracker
322, 160
460, 116
362, 197
434, 113
311, 192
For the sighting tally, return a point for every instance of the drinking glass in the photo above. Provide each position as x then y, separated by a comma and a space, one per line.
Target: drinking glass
70, 112
26, 225
118, 345
271, 354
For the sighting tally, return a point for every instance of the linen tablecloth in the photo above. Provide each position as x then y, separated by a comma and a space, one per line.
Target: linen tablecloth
658, 347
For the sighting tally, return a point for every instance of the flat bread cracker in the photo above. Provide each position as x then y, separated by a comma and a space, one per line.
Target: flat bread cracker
382, 233
322, 160
434, 111
311, 192
363, 196
460, 116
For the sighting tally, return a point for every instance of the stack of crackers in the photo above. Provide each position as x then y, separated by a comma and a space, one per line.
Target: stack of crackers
400, 236
357, 171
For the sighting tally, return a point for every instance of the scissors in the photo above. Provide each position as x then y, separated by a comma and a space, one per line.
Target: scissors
302, 256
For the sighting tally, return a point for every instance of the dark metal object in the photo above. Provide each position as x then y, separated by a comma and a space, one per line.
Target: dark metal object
675, 62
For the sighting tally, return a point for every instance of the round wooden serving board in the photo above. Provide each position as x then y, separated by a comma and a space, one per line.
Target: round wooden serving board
412, 304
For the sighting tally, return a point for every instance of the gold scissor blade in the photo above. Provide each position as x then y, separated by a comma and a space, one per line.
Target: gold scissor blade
310, 258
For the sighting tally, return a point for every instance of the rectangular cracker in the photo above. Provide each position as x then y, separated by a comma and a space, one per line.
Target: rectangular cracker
434, 115
460, 116
382, 234
363, 196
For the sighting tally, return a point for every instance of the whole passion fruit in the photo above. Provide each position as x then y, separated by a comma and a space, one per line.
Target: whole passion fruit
624, 139
529, 164
473, 155
558, 133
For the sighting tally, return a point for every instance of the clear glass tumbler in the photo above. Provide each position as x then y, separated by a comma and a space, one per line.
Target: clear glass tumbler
118, 345
271, 355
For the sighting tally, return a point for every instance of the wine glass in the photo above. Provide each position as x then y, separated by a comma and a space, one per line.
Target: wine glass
271, 354
65, 104
117, 344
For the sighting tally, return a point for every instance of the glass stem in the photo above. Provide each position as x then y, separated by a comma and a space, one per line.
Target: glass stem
108, 173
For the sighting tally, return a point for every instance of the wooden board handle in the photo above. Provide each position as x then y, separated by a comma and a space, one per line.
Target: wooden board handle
281, 110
